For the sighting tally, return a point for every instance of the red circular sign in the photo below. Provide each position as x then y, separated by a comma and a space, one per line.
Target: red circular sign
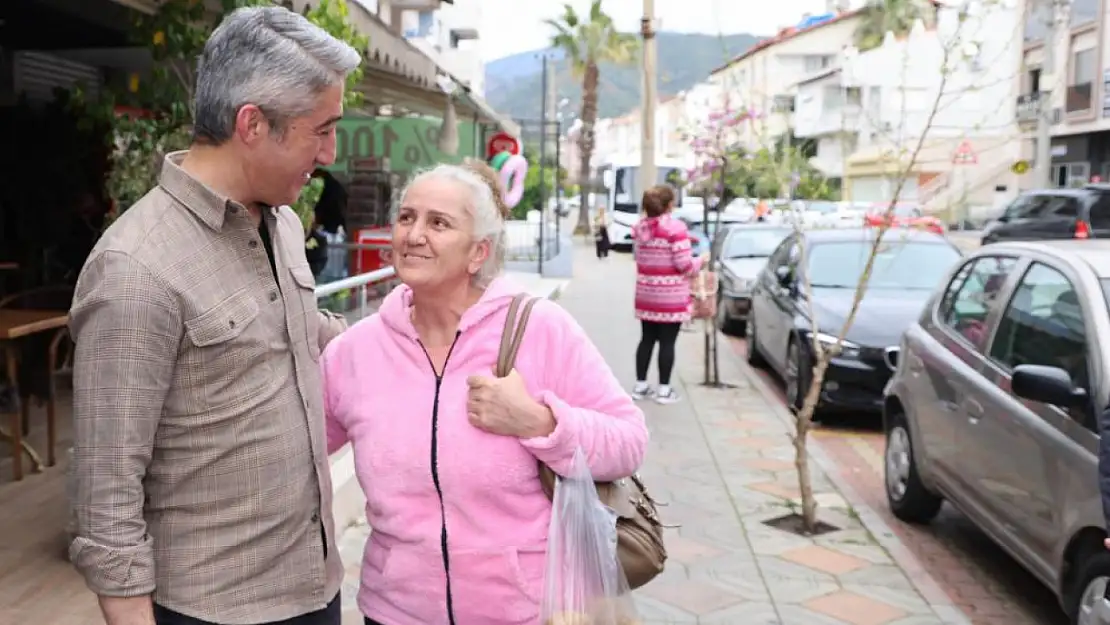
501, 142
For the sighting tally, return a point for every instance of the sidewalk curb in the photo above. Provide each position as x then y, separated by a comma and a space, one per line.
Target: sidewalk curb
921, 580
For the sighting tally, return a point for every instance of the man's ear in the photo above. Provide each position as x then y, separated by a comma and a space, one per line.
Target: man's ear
251, 124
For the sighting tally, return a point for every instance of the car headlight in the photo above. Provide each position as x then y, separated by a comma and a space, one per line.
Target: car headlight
737, 286
839, 348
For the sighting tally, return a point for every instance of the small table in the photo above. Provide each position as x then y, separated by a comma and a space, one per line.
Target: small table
16, 324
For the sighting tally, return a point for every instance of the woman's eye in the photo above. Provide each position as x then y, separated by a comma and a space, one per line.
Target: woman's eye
440, 223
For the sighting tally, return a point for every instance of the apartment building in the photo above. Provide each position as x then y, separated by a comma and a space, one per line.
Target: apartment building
869, 113
449, 35
764, 78
1079, 108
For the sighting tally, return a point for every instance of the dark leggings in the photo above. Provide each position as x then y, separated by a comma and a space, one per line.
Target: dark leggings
665, 334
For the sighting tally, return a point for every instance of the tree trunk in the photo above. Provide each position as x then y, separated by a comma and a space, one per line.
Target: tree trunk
803, 422
586, 144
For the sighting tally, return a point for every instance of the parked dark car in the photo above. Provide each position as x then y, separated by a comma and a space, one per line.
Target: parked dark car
908, 266
995, 408
741, 251
1053, 214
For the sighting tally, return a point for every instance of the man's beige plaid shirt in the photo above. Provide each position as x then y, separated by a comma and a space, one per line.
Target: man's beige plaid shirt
200, 472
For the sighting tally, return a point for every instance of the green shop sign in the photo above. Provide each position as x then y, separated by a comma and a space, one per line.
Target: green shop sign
408, 142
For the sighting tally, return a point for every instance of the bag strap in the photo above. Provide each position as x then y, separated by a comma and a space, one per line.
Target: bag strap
513, 334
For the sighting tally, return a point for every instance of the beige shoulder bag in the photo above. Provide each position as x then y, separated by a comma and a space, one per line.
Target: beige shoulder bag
639, 532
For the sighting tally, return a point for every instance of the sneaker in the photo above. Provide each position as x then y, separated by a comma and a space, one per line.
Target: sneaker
669, 397
642, 393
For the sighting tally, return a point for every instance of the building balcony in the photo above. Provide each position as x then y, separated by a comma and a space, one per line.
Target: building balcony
1028, 108
812, 122
417, 5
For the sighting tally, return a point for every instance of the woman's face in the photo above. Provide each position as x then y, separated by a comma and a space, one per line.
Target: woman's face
433, 244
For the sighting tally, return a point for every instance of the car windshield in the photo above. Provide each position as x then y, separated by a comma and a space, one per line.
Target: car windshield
698, 227
753, 243
907, 265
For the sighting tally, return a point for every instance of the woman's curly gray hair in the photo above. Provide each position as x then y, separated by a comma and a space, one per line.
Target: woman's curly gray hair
486, 204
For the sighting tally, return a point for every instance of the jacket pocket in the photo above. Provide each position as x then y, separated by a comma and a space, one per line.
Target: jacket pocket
223, 322
503, 586
499, 587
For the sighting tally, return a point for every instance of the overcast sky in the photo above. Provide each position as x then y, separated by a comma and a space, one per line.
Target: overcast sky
508, 30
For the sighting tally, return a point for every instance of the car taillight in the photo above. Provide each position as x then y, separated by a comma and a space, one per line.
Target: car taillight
1082, 230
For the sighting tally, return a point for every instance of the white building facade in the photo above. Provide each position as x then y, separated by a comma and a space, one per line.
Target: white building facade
449, 35
870, 112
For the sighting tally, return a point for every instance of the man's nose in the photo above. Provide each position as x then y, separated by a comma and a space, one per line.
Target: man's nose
326, 155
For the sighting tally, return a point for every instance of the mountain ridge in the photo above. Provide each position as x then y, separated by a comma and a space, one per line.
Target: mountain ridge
514, 83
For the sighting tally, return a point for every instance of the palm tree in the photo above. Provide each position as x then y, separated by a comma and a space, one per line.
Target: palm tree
586, 45
896, 16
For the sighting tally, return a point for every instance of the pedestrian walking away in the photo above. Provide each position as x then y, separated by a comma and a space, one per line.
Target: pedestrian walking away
601, 234
665, 266
201, 488
447, 439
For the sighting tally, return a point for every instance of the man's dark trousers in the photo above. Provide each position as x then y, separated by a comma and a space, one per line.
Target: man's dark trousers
331, 615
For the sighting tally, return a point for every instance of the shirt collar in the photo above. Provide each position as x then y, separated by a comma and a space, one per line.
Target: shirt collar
208, 205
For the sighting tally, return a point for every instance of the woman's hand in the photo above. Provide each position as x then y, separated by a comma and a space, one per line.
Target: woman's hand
504, 407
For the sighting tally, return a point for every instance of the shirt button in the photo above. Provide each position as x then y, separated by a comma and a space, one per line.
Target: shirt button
273, 296
315, 517
253, 244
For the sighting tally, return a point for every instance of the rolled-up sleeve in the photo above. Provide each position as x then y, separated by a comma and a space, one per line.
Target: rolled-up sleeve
127, 329
331, 326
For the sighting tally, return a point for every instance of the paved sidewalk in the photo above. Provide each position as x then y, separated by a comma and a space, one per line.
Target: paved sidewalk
723, 460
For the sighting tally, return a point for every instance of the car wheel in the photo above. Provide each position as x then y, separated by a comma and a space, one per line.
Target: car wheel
755, 356
1085, 601
906, 495
724, 322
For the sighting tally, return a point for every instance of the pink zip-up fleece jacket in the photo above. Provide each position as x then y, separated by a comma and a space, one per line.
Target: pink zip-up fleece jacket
664, 266
443, 495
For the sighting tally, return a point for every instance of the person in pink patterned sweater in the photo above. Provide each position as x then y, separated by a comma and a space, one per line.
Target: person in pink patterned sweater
665, 265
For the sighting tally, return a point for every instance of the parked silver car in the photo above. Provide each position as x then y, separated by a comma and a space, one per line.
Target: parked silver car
995, 405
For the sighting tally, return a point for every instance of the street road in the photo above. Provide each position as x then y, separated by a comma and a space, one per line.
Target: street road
989, 585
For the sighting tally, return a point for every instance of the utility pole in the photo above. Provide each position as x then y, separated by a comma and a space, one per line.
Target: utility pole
1056, 28
647, 138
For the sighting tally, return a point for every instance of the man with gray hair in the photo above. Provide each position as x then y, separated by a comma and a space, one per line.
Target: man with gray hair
201, 491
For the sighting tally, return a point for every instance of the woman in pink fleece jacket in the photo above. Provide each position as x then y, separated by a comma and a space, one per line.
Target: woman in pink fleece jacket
664, 267
446, 453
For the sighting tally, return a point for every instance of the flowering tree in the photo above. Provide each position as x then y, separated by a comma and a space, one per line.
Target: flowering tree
711, 142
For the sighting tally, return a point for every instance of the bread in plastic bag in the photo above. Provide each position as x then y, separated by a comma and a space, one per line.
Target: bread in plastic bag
584, 583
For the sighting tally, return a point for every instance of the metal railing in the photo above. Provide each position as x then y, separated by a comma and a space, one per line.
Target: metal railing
337, 295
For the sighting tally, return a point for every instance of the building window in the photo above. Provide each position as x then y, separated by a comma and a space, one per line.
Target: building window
1081, 82
1071, 175
816, 62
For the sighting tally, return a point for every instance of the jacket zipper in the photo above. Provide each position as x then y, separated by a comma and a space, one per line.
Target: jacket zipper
435, 471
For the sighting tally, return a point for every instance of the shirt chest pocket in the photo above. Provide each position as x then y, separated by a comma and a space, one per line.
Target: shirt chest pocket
303, 311
227, 339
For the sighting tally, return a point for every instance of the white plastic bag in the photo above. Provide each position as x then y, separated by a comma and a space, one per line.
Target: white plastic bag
585, 584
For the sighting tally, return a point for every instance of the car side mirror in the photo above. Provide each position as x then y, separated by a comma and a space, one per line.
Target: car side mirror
1048, 385
784, 276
